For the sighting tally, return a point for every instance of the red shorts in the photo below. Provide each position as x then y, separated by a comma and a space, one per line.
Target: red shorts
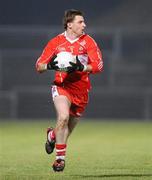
78, 100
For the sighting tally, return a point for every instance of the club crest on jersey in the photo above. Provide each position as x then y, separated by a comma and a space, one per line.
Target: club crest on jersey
71, 48
80, 49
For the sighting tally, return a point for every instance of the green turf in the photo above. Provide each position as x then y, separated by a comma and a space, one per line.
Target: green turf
96, 150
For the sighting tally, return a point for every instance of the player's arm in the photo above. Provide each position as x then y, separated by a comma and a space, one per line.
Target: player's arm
95, 64
46, 60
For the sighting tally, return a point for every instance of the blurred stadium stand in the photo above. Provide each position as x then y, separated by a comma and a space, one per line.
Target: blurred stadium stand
122, 91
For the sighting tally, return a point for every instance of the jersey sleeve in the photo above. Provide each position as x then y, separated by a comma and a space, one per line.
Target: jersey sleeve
48, 52
95, 56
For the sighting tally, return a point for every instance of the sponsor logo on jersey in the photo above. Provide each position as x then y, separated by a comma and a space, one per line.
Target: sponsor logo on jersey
60, 49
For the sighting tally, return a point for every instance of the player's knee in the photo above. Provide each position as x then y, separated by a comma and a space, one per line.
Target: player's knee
63, 117
62, 121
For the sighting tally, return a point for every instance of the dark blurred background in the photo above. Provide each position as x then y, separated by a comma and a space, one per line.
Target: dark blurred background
122, 29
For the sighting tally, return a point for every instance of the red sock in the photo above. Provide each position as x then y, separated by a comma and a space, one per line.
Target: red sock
60, 151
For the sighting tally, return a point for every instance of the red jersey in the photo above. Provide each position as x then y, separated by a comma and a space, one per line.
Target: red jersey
88, 53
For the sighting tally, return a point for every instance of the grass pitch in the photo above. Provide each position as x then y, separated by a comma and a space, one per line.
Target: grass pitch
96, 150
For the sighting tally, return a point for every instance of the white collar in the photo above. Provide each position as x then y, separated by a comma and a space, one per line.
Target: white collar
71, 41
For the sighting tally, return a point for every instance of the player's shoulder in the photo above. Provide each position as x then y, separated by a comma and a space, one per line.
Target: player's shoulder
88, 39
61, 37
57, 38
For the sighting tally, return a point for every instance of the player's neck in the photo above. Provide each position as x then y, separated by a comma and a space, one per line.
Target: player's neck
71, 35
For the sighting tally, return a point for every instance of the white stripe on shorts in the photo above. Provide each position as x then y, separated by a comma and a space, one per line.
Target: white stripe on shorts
54, 91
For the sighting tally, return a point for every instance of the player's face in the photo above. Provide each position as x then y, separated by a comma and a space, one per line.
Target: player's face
78, 25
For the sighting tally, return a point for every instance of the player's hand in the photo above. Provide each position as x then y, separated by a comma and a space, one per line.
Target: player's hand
52, 65
78, 66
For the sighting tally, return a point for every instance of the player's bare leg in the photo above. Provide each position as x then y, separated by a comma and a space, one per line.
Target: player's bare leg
73, 121
62, 106
64, 127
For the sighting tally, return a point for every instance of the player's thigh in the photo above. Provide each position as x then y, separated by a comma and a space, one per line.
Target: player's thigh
62, 105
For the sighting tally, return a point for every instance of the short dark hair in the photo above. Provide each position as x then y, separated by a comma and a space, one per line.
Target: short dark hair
69, 16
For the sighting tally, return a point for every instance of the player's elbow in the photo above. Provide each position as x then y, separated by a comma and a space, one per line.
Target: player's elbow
97, 67
97, 71
100, 67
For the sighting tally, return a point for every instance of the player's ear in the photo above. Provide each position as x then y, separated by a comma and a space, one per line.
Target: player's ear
69, 25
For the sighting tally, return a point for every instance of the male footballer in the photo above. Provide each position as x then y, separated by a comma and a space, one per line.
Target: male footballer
70, 89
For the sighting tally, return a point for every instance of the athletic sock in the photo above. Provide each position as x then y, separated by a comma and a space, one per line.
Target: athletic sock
51, 136
60, 151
